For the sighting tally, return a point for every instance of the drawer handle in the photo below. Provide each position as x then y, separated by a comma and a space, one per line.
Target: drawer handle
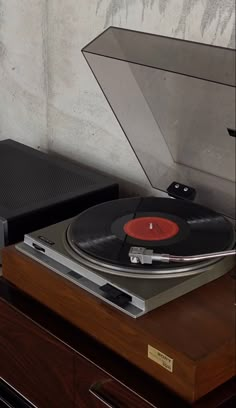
94, 390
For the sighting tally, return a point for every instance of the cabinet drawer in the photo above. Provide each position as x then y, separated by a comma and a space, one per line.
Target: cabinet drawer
37, 365
96, 389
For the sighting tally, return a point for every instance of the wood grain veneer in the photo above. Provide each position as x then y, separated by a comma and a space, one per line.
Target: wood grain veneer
96, 365
197, 330
39, 367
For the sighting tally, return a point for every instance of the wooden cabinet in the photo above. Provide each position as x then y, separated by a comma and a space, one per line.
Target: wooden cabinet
36, 364
50, 374
203, 345
54, 364
96, 389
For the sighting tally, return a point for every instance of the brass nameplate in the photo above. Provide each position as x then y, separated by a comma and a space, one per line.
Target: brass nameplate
160, 358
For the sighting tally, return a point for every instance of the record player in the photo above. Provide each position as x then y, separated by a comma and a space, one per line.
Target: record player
175, 101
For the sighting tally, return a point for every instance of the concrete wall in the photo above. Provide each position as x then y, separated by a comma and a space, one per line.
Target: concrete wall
48, 96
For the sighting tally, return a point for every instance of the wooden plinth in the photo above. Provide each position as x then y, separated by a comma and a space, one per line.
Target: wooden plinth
196, 331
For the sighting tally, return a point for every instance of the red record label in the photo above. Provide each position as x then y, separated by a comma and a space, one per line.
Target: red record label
151, 228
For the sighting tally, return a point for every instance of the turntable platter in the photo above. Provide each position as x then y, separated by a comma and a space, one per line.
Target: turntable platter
92, 250
105, 233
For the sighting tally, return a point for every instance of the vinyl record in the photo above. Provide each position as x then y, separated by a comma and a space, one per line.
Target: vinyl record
107, 231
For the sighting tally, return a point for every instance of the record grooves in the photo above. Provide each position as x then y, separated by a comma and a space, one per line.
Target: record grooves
107, 231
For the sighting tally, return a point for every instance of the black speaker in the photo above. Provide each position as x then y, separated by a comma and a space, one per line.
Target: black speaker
39, 189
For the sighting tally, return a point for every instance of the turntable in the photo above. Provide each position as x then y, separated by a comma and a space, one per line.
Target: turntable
175, 101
